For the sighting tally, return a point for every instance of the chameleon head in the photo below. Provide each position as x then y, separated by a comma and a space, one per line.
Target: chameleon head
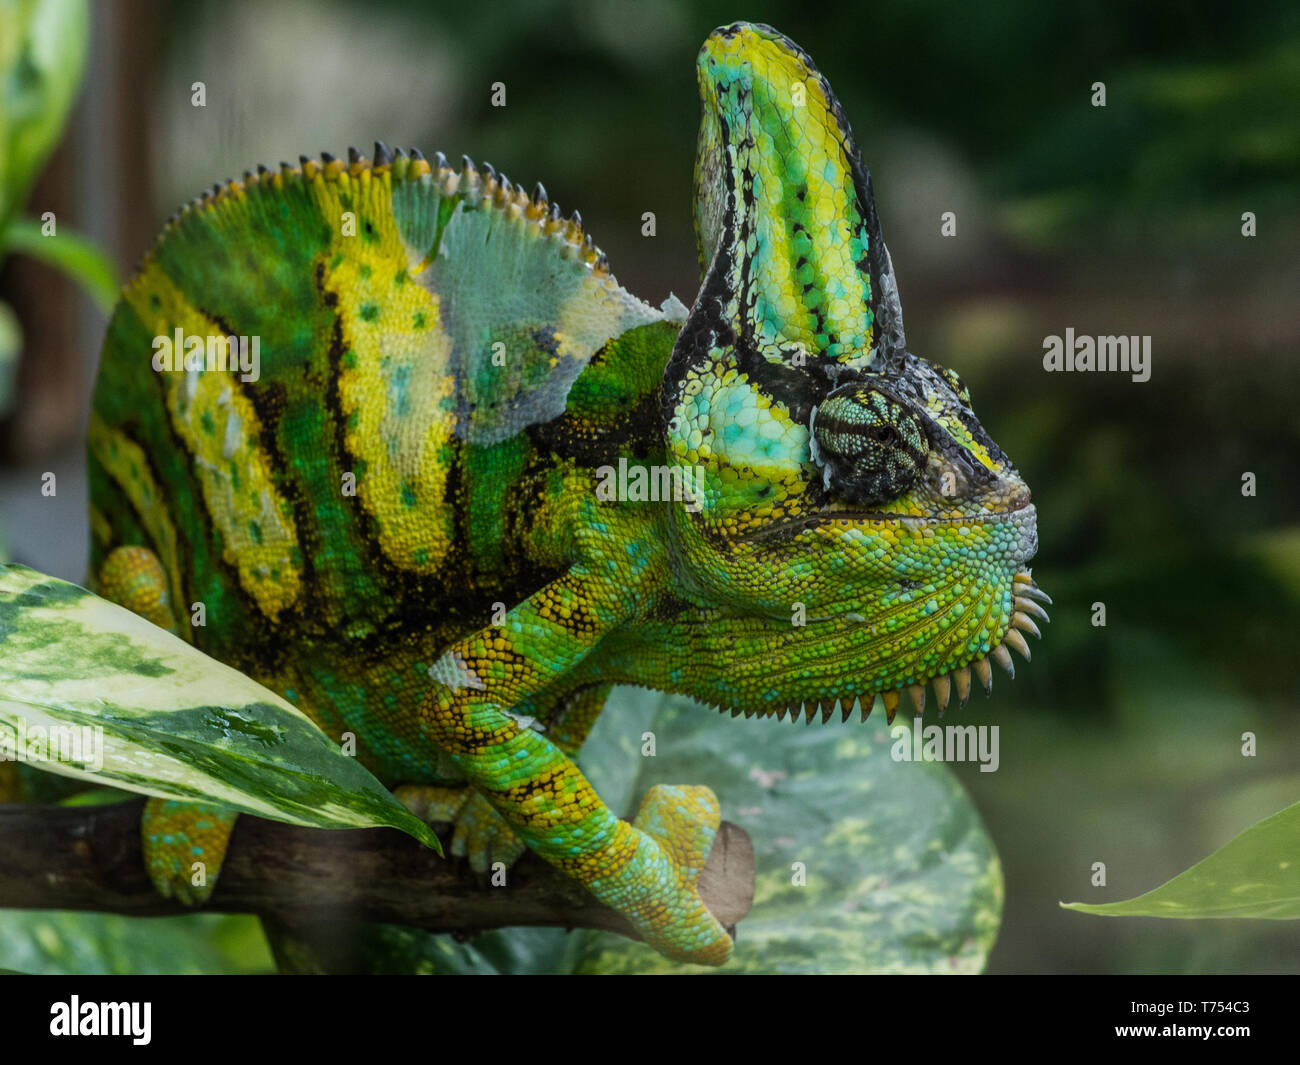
852, 519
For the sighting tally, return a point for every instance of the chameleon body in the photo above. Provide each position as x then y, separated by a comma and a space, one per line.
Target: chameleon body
402, 523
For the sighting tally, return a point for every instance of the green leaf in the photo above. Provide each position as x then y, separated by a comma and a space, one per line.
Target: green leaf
69, 252
901, 877
174, 722
42, 53
1255, 875
54, 942
95, 797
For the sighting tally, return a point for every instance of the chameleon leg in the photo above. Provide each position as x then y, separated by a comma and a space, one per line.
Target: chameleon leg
184, 843
647, 870
481, 834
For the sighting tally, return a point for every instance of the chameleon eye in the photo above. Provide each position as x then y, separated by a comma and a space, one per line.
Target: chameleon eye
870, 447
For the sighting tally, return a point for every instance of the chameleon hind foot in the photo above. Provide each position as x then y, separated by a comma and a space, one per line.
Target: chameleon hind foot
184, 846
479, 832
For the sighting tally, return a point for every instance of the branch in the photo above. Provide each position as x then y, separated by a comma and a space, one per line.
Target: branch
89, 858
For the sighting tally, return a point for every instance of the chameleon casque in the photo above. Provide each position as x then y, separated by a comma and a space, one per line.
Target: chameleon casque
463, 357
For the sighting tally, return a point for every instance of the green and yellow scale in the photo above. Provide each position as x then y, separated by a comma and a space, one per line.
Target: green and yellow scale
393, 516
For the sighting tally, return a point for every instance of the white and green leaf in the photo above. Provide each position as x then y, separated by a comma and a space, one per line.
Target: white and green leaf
166, 719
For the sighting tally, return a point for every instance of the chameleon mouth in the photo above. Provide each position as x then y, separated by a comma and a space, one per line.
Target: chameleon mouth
1027, 600
1014, 509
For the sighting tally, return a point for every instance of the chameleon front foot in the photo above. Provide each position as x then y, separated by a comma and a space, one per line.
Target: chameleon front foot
479, 833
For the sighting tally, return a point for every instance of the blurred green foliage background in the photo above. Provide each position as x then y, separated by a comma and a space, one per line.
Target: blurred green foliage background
1120, 744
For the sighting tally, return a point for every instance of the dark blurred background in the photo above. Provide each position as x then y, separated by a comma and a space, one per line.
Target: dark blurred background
1120, 744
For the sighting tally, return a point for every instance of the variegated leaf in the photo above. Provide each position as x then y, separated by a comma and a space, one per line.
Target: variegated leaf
165, 719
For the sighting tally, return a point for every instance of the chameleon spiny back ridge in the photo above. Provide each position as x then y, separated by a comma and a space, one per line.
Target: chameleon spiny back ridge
459, 483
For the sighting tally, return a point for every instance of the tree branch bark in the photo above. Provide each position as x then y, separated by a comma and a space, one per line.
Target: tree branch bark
89, 858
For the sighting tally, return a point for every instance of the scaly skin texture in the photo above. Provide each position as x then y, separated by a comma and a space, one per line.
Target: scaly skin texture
460, 353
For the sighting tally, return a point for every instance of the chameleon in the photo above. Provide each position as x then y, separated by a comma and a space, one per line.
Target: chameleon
400, 517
